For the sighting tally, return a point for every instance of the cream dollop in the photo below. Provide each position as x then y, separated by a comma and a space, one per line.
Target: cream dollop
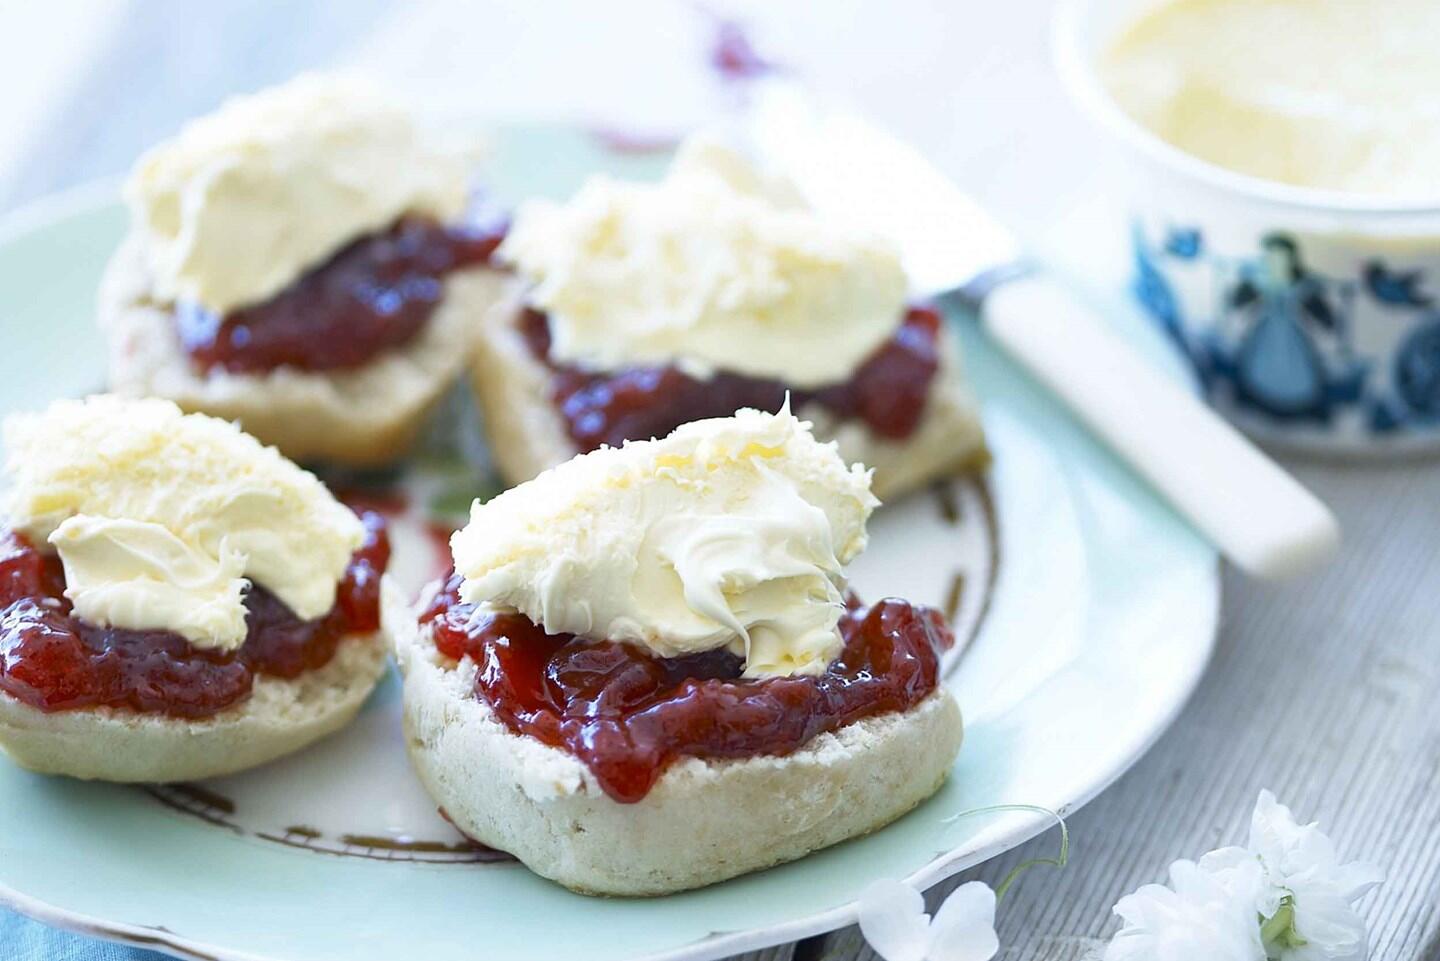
714, 268
729, 533
161, 518
245, 200
1332, 94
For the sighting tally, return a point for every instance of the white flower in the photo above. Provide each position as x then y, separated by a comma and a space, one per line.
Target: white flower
1200, 917
1306, 900
1286, 896
893, 920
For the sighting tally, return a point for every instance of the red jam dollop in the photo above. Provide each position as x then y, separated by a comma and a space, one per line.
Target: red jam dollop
627, 715
375, 294
54, 661
887, 392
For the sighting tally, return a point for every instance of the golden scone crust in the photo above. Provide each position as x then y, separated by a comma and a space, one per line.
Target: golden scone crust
703, 822
280, 716
362, 417
527, 434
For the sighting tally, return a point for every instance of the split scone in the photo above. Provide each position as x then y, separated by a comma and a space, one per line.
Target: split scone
176, 600
640, 307
646, 675
297, 262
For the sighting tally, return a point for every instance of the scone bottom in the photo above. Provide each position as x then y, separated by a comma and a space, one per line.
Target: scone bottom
647, 674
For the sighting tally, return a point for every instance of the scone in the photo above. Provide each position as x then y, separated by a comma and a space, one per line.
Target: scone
640, 307
177, 601
298, 262
647, 676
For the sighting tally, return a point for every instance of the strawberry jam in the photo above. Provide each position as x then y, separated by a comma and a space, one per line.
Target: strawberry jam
627, 715
375, 294
887, 392
54, 661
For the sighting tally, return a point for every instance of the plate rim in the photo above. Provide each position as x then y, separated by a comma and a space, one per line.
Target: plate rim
73, 201
93, 195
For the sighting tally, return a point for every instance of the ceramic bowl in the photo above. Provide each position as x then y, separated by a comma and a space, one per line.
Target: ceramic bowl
1311, 317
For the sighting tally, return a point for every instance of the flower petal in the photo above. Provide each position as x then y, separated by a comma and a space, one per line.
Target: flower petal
964, 927
893, 920
1354, 879
1300, 862
1195, 919
1330, 928
1240, 871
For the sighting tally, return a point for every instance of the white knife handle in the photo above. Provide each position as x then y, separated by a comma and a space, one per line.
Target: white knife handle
1255, 513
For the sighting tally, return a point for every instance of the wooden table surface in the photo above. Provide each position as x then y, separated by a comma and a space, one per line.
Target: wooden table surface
1324, 690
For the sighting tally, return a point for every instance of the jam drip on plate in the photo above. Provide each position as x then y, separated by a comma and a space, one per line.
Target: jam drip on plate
54, 661
373, 295
627, 715
887, 392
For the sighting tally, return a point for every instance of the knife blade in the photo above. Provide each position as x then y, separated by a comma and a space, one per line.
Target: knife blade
849, 168
1254, 512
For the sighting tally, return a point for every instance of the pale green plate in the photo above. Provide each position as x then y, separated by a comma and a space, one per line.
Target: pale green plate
1099, 624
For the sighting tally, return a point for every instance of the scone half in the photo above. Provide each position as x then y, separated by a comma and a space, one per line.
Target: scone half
527, 434
364, 416
279, 717
702, 822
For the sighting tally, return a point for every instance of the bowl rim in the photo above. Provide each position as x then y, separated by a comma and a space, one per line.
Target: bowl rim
1076, 67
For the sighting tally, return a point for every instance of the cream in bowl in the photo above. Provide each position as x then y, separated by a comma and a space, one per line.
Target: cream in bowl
1283, 177
1334, 95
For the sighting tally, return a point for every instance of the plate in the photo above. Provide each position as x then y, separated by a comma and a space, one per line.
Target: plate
1090, 609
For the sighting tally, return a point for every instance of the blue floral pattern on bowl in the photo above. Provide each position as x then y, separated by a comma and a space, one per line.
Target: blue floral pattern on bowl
1322, 357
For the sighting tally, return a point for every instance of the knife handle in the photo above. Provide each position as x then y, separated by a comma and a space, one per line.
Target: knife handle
1255, 513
